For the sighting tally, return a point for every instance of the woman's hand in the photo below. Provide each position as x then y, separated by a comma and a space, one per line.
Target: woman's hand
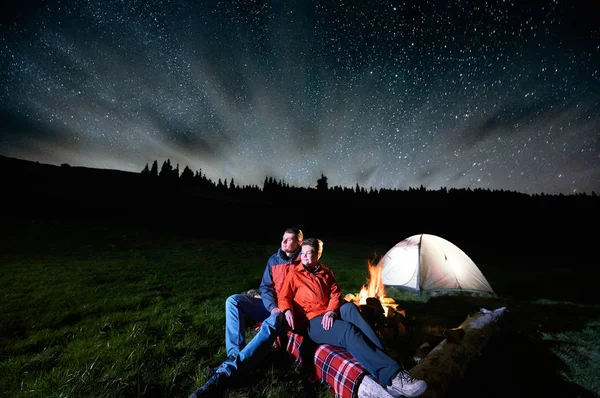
327, 321
289, 317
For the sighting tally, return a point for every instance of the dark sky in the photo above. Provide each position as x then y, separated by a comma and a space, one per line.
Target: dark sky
503, 94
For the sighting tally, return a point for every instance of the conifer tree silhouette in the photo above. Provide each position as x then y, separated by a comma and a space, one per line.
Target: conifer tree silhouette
166, 170
154, 169
187, 175
322, 184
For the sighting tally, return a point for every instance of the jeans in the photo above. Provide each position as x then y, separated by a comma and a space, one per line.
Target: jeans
238, 308
346, 335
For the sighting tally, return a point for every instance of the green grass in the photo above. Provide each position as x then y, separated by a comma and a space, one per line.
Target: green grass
100, 311
580, 351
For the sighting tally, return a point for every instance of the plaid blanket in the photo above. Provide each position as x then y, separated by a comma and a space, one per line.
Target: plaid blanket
332, 365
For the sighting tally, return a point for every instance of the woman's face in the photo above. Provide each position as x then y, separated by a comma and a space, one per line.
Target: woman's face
309, 256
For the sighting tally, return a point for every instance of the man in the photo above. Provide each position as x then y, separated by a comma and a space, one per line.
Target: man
238, 307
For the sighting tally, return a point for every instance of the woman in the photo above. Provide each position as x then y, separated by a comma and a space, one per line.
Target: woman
310, 300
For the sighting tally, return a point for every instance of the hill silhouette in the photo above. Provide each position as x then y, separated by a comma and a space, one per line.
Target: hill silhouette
498, 226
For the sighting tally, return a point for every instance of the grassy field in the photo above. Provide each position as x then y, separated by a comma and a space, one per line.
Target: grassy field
101, 311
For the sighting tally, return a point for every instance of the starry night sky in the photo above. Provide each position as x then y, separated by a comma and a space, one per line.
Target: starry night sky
503, 94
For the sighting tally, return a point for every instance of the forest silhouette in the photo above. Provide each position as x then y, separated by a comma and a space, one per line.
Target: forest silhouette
494, 225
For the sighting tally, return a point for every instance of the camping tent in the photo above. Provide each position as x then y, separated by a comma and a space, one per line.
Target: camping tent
428, 263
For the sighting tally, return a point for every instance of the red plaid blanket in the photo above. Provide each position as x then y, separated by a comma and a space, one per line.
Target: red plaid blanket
333, 365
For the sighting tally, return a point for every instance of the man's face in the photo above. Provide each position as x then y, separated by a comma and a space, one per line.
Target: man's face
289, 243
308, 256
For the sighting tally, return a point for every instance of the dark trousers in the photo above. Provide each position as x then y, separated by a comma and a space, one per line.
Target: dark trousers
346, 335
350, 313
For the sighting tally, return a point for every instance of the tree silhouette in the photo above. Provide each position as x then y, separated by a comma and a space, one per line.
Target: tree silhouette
322, 184
154, 169
166, 170
187, 175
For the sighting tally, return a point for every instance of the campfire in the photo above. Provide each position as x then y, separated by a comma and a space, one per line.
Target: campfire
381, 311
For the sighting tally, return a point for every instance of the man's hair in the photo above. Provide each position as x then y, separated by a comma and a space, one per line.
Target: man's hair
296, 231
316, 244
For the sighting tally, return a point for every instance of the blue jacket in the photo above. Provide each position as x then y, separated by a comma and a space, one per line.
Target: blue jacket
277, 268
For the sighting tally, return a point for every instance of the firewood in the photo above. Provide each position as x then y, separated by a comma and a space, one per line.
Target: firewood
422, 352
449, 360
351, 298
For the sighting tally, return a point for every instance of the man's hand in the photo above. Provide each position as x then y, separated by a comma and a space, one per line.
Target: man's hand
289, 317
274, 310
327, 321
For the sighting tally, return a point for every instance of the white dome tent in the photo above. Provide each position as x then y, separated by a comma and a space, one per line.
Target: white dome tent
428, 263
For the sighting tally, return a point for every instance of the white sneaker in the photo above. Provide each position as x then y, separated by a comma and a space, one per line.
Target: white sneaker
404, 385
369, 388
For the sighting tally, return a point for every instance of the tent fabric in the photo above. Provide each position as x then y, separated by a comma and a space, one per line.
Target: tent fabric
428, 263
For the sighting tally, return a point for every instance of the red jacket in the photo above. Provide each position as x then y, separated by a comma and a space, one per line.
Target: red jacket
309, 294
277, 268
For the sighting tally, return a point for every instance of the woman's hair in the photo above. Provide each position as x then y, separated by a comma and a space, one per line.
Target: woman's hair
316, 244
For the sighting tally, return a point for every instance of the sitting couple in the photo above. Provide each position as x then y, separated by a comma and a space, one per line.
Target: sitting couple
299, 291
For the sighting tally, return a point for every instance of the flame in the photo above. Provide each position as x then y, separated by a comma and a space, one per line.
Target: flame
375, 287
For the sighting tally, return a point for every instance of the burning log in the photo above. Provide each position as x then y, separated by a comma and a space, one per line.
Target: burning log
380, 311
373, 290
450, 359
